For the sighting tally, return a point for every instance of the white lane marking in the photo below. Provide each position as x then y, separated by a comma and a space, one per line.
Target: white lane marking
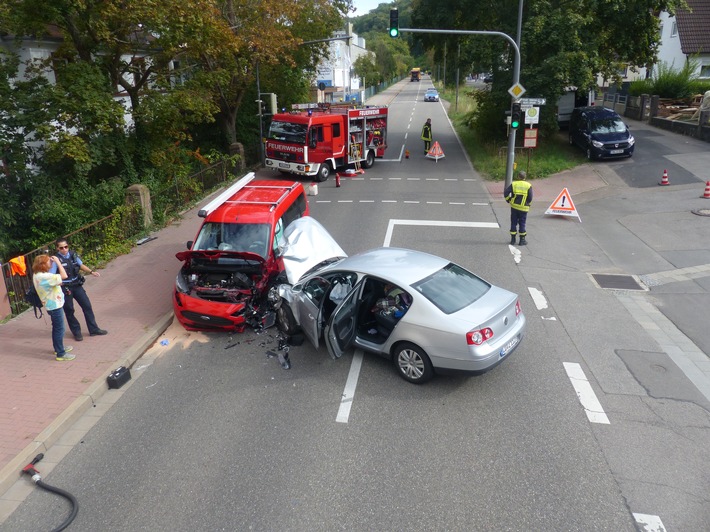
414, 179
345, 201
367, 201
434, 223
346, 401
650, 523
538, 298
434, 202
411, 201
517, 255
590, 403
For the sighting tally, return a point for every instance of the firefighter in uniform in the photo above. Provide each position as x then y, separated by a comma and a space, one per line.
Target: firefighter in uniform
519, 195
426, 135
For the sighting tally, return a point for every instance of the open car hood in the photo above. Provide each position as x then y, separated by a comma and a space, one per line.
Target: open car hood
307, 243
216, 254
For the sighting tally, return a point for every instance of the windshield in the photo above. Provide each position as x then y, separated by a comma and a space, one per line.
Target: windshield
608, 125
253, 238
452, 288
288, 132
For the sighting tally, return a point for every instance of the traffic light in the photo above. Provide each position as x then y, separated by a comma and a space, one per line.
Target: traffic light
516, 115
394, 22
268, 103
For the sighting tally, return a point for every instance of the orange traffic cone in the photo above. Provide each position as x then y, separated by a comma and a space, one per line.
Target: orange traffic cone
707, 191
664, 179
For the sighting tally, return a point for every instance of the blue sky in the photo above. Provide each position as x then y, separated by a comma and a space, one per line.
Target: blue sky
363, 6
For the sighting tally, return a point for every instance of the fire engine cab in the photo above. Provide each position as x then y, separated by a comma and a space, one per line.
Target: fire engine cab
316, 139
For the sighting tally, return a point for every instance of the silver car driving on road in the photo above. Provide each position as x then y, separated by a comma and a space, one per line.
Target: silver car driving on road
423, 312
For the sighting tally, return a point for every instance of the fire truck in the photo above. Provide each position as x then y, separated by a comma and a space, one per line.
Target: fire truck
317, 139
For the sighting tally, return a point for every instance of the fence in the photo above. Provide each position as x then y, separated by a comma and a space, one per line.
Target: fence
104, 239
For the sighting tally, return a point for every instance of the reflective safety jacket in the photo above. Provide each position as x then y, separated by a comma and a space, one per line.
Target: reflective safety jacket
426, 132
519, 194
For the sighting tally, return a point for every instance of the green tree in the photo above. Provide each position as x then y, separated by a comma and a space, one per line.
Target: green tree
563, 43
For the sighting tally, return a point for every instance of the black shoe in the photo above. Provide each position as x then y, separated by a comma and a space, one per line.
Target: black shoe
99, 332
78, 337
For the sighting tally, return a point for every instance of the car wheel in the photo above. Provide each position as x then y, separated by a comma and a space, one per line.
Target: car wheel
285, 320
412, 363
369, 159
323, 173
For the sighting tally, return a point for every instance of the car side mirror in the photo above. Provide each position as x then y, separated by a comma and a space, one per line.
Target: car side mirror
189, 244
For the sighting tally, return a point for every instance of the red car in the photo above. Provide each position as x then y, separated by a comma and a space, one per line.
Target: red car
234, 260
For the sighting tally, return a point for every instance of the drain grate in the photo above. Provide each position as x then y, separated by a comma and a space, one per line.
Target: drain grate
617, 282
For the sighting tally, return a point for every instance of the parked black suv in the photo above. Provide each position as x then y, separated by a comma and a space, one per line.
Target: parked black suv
600, 132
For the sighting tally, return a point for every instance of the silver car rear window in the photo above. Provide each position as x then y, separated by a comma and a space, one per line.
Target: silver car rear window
452, 288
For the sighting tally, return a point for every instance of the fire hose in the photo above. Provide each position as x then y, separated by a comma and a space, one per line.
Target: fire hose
30, 470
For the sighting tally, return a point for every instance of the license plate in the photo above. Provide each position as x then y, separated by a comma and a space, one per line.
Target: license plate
614, 152
284, 165
510, 345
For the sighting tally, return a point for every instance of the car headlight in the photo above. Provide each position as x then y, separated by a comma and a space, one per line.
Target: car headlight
632, 140
597, 144
181, 284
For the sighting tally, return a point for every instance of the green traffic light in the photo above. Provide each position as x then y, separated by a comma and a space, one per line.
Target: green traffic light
515, 124
394, 22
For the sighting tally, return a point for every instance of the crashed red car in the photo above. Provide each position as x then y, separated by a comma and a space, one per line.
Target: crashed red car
229, 267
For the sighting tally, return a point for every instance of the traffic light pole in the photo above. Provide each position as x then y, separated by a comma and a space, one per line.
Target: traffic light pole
516, 81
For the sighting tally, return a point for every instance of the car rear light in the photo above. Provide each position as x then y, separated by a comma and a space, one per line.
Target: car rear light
478, 337
517, 308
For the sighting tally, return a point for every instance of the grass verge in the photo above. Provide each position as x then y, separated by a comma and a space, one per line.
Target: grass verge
489, 158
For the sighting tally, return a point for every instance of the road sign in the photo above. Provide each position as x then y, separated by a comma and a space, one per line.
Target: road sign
516, 91
533, 101
530, 138
532, 115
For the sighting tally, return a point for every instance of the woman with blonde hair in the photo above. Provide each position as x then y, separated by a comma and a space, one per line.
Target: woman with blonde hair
49, 290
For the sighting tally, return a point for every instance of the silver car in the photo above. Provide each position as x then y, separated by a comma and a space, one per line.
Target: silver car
425, 313
431, 95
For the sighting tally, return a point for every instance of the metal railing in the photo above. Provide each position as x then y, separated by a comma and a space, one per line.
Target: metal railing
90, 241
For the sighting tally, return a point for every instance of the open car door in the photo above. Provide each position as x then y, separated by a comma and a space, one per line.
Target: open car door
339, 333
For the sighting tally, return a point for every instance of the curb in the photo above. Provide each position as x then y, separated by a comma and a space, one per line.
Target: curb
49, 436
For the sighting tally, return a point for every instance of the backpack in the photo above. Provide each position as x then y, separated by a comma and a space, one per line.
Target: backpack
32, 298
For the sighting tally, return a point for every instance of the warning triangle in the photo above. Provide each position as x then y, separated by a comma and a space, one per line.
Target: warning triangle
563, 205
436, 152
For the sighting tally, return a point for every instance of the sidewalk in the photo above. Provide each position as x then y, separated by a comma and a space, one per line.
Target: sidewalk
42, 398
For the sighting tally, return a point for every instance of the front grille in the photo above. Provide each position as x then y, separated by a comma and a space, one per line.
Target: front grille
205, 320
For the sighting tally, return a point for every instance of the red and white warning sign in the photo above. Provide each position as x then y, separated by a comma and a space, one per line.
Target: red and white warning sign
436, 152
563, 205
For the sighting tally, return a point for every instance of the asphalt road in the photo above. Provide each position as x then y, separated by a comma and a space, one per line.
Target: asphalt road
213, 434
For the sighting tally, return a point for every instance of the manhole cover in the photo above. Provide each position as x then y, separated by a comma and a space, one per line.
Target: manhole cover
701, 212
617, 282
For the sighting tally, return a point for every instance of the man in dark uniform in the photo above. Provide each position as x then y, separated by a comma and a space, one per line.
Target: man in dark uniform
426, 135
74, 291
519, 195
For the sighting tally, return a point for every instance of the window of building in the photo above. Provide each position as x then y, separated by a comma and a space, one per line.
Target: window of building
674, 29
704, 71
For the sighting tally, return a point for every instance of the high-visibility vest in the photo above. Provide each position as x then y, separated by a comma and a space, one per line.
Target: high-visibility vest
520, 196
426, 132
